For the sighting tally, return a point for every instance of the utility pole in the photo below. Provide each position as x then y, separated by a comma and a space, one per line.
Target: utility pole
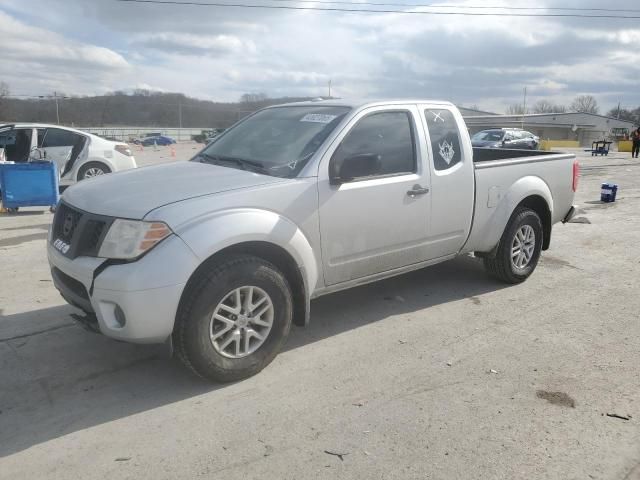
329, 88
179, 118
618, 116
524, 106
55, 96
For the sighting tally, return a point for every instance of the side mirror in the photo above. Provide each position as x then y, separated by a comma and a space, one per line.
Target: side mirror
355, 166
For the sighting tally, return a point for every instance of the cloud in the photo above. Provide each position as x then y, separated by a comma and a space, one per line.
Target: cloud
189, 44
220, 53
29, 44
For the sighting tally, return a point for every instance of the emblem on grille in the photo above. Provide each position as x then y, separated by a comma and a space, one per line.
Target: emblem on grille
67, 226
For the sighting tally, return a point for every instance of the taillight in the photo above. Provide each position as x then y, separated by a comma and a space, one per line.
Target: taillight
124, 149
576, 175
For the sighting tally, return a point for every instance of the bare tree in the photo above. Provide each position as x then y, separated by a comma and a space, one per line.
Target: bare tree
139, 108
4, 91
516, 109
253, 97
545, 106
585, 104
624, 114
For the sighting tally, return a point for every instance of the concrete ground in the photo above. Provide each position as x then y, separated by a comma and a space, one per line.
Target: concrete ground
442, 373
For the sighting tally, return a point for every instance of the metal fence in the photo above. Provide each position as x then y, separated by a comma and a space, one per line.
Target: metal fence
126, 133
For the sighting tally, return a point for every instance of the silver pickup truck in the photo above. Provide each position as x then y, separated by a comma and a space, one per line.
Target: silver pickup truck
221, 254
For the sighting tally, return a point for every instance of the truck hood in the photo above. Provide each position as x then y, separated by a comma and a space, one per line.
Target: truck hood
134, 193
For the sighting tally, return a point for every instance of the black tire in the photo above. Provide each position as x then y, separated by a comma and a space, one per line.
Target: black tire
191, 335
82, 173
501, 265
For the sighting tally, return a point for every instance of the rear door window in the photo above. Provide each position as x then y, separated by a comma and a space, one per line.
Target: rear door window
445, 138
56, 137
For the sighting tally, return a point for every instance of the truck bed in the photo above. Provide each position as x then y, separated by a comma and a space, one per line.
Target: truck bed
491, 154
501, 178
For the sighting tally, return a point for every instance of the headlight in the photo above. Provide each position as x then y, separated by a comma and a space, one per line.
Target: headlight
127, 239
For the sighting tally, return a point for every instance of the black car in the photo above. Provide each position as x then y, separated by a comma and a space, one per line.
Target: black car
512, 138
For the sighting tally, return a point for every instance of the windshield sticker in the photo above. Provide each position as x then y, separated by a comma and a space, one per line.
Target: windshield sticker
446, 151
318, 118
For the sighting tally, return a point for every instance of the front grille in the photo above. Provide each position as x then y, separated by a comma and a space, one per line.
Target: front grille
91, 238
82, 231
65, 223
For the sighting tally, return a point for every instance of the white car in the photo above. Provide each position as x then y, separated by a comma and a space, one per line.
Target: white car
78, 155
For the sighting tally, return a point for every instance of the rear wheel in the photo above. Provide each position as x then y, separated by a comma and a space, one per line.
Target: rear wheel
92, 169
519, 249
234, 319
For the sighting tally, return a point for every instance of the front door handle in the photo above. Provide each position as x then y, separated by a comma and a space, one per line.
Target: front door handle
417, 190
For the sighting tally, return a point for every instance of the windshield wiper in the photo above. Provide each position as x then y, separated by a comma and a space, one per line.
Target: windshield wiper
243, 163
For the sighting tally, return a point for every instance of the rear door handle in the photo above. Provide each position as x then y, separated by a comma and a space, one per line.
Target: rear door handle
417, 190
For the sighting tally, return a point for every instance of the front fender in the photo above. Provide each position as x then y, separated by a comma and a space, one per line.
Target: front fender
215, 232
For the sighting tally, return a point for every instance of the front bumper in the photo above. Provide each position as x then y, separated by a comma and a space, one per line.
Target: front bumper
135, 302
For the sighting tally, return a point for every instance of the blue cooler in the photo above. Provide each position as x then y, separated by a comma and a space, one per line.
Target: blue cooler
30, 184
608, 192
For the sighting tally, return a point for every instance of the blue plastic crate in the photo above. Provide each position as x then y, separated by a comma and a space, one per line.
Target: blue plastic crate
32, 184
608, 192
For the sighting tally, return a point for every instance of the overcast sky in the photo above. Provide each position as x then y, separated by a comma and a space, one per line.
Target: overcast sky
85, 47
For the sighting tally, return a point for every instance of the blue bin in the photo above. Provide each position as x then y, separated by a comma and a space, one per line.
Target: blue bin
608, 192
32, 184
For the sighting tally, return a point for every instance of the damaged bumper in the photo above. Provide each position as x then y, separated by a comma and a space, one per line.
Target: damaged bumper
134, 302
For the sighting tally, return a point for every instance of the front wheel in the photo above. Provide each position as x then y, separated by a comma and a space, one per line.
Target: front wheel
234, 318
519, 249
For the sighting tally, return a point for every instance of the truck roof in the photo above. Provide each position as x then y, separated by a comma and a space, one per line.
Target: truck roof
366, 102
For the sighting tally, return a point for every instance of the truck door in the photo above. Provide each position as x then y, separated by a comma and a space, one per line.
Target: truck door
376, 222
452, 179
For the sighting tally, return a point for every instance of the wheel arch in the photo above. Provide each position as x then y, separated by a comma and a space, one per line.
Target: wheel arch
77, 168
274, 254
539, 205
531, 192
264, 234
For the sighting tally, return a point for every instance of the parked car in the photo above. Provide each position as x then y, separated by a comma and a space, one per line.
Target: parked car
221, 254
512, 138
77, 154
205, 136
160, 140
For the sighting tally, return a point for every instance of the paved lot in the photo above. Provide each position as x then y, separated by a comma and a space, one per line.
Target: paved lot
442, 373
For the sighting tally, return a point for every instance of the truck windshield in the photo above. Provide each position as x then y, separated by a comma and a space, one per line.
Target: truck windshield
489, 135
276, 141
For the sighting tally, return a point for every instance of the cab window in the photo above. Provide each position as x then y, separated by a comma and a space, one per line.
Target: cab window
445, 139
386, 136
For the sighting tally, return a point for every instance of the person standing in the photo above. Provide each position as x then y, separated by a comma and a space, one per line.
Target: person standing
635, 138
